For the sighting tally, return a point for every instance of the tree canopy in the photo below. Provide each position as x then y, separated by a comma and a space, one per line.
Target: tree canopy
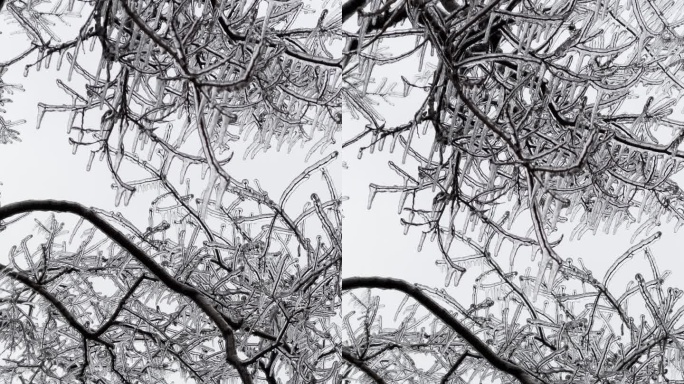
533, 114
226, 283
538, 122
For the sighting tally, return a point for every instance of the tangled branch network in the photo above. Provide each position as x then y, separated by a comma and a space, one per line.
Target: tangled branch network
533, 123
225, 282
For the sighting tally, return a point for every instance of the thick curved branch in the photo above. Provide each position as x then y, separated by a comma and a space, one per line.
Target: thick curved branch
361, 365
140, 255
350, 7
414, 292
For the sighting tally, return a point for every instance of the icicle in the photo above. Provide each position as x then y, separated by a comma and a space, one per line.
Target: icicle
540, 275
41, 114
127, 197
222, 186
546, 207
136, 138
642, 206
497, 245
408, 143
367, 76
514, 251
150, 153
407, 88
576, 232
166, 164
556, 216
618, 221
73, 59
60, 59
205, 169
484, 230
609, 218
402, 201
80, 139
679, 224
421, 241
641, 228
669, 216
119, 194
207, 193
117, 159
143, 140
407, 226
90, 160
184, 169
40, 61
374, 139
393, 144
457, 275
72, 118
449, 241
552, 274
421, 58
373, 190
514, 212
